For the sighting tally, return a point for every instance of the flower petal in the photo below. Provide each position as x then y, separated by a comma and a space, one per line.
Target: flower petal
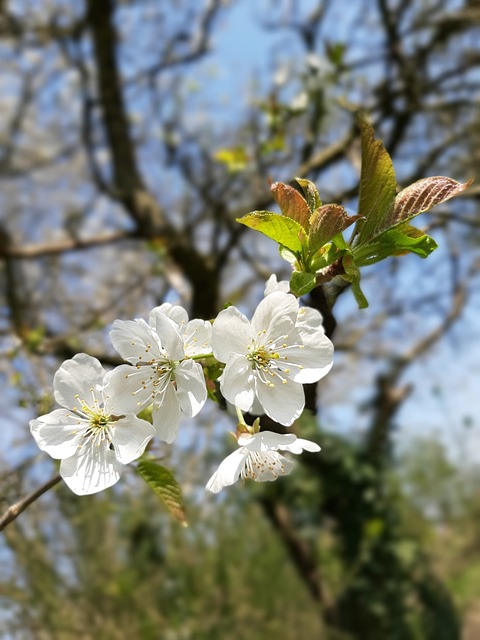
197, 338
166, 414
174, 312
168, 333
130, 436
282, 402
276, 315
58, 433
231, 333
266, 440
78, 380
237, 382
309, 321
273, 465
191, 387
128, 389
135, 340
273, 284
300, 445
316, 360
93, 469
228, 472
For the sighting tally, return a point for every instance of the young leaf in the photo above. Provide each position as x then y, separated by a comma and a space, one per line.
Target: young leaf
163, 483
283, 230
302, 283
310, 192
422, 196
291, 202
398, 241
327, 222
377, 187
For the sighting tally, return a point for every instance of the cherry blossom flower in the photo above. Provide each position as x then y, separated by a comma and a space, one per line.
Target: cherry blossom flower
163, 373
90, 434
257, 458
271, 357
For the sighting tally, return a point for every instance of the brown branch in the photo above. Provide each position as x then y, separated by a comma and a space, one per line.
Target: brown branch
16, 509
30, 251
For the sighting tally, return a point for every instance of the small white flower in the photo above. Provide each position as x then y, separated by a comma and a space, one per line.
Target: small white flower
89, 435
271, 357
196, 334
162, 373
258, 458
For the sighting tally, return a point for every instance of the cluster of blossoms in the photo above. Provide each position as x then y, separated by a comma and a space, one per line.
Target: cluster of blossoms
266, 362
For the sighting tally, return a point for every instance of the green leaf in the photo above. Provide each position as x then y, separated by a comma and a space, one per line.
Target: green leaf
377, 187
283, 230
422, 195
327, 222
291, 202
311, 194
395, 242
352, 275
302, 283
289, 256
163, 483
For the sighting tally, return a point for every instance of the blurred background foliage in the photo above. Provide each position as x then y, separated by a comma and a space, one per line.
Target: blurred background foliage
132, 134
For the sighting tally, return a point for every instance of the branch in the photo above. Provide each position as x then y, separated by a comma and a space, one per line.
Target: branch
16, 509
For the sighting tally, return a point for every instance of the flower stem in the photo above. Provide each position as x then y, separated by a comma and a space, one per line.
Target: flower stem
16, 509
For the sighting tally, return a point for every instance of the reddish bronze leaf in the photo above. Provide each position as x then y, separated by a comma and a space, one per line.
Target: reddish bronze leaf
327, 222
423, 195
292, 203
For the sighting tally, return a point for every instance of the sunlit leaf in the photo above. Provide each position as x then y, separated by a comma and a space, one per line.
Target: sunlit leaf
292, 204
377, 187
163, 483
310, 192
235, 158
302, 283
325, 223
423, 195
283, 230
400, 240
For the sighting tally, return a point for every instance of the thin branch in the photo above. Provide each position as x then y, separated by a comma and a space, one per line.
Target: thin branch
16, 509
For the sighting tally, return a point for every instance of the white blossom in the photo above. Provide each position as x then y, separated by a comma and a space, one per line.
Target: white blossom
271, 357
90, 434
161, 371
257, 458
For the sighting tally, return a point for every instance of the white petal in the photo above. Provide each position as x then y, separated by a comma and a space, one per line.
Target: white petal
191, 387
273, 465
228, 472
309, 321
276, 314
301, 445
273, 285
58, 433
169, 335
166, 414
283, 402
237, 382
128, 389
174, 312
266, 440
130, 437
231, 333
316, 360
93, 469
77, 380
197, 338
135, 340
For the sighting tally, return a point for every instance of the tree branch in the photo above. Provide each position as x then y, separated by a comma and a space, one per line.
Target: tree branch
16, 509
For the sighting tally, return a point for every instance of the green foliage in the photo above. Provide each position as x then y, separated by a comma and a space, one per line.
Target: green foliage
163, 483
310, 235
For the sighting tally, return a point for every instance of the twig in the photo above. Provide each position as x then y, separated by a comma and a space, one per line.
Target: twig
15, 510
